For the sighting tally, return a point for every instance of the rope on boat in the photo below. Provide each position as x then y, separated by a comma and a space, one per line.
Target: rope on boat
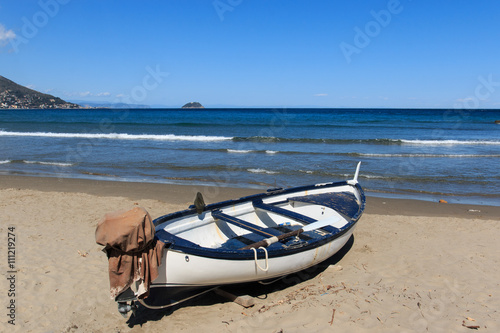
271, 282
257, 263
159, 307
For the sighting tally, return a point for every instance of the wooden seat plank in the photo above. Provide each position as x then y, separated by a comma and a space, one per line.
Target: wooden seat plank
265, 232
283, 212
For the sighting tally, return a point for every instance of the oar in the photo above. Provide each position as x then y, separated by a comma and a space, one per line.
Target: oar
312, 226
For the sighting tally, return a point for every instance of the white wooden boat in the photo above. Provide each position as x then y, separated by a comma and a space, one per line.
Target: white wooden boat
254, 238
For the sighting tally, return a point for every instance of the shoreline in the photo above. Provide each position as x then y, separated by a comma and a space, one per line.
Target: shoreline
184, 195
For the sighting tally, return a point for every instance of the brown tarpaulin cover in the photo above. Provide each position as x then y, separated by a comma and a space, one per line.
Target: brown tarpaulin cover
133, 253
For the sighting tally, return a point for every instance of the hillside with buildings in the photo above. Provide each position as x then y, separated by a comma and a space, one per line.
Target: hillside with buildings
15, 96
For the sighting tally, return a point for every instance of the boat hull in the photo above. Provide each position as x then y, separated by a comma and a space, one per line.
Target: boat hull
186, 270
189, 264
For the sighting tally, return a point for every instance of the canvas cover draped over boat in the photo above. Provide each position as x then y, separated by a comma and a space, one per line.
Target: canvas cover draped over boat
133, 252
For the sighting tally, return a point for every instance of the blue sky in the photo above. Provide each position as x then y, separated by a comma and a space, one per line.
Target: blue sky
257, 53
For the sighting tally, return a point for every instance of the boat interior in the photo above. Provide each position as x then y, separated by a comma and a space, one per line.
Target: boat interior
234, 227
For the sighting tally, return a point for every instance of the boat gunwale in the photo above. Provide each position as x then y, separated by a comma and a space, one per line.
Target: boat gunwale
217, 205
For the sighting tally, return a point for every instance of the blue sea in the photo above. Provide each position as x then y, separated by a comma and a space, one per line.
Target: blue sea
423, 154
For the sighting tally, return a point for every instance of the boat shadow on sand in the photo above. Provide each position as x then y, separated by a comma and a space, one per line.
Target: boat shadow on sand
257, 290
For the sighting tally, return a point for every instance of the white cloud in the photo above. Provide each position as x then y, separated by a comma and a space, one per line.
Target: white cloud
87, 94
320, 95
465, 100
5, 35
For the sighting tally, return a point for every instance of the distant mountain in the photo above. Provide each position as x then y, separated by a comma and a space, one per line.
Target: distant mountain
193, 105
15, 96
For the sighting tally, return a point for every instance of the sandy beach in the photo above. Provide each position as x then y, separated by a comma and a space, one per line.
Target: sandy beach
412, 266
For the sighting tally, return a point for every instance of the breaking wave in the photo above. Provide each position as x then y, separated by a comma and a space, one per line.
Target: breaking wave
262, 171
118, 136
262, 139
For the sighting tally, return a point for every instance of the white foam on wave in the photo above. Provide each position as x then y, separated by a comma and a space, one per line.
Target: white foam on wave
118, 136
5, 161
262, 171
371, 177
271, 152
450, 142
48, 163
239, 151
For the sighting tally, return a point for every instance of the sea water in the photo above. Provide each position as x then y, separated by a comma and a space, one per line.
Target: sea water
423, 154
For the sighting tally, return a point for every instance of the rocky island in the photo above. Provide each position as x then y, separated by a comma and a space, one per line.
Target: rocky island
193, 105
15, 96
